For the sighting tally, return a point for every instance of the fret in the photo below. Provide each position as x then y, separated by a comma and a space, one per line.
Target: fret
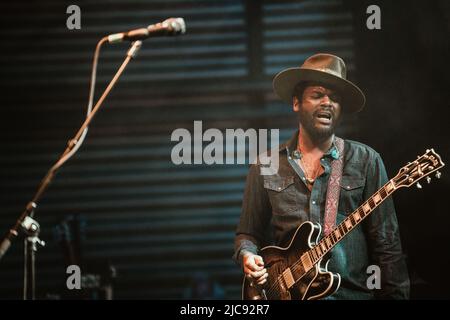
328, 241
371, 203
348, 223
338, 235
313, 253
352, 219
341, 230
362, 213
322, 246
390, 187
318, 251
356, 216
311, 257
383, 193
376, 198
316, 256
366, 207
333, 237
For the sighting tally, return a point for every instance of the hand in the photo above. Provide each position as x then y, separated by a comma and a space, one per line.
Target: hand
254, 268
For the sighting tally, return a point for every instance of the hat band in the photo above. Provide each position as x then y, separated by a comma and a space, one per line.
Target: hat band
326, 70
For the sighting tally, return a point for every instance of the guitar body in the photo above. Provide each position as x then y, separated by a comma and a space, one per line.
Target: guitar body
316, 283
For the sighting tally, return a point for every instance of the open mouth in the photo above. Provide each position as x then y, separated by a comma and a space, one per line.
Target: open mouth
324, 117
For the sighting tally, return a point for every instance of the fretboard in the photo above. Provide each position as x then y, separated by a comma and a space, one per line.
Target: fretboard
349, 223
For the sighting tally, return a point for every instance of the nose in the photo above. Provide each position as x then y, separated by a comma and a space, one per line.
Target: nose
326, 101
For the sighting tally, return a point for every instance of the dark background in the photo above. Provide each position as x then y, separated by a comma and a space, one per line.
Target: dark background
162, 227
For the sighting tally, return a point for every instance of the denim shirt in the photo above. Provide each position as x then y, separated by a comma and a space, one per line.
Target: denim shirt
275, 205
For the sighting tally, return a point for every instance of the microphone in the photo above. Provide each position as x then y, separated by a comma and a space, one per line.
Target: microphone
169, 27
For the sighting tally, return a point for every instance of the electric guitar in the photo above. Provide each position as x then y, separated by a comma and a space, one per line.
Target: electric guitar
299, 271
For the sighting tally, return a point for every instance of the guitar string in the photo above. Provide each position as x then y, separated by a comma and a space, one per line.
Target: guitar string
276, 284
323, 252
296, 266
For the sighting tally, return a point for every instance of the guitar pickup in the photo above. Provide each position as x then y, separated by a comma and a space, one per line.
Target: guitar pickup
288, 278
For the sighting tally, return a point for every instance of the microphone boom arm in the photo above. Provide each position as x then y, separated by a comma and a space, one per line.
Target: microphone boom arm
70, 150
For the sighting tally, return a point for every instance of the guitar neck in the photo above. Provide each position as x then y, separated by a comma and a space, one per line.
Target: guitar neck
349, 223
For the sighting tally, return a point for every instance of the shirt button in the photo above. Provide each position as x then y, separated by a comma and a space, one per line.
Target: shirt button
348, 187
279, 188
313, 202
303, 178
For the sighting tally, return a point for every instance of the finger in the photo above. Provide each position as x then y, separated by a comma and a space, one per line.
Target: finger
257, 274
259, 261
251, 266
260, 283
262, 279
264, 276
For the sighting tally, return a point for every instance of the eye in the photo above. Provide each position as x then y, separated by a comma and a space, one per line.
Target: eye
335, 98
317, 95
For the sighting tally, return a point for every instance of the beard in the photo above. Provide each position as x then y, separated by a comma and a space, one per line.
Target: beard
317, 133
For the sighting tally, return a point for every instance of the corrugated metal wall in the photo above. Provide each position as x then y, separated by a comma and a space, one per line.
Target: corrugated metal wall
156, 222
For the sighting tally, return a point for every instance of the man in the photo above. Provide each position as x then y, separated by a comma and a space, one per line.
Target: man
275, 205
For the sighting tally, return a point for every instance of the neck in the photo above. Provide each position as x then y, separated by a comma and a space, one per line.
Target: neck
308, 144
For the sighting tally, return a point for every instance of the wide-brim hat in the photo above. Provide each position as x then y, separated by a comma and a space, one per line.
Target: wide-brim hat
326, 69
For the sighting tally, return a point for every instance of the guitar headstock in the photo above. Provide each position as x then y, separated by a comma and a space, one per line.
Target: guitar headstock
422, 167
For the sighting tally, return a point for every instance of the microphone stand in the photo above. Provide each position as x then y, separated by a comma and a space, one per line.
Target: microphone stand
26, 222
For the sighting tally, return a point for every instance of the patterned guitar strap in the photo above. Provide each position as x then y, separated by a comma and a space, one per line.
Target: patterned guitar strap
334, 188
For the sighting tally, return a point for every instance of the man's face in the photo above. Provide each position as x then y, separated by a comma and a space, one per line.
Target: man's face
319, 110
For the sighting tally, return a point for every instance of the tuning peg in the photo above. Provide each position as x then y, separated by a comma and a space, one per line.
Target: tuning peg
428, 179
418, 185
438, 175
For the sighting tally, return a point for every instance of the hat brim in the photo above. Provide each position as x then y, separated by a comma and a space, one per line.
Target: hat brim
353, 99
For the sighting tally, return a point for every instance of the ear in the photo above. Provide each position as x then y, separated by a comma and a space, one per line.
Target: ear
296, 104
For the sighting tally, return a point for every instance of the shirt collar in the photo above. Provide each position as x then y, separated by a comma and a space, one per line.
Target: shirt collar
291, 148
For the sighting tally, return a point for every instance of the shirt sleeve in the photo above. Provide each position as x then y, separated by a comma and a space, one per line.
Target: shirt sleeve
255, 215
384, 238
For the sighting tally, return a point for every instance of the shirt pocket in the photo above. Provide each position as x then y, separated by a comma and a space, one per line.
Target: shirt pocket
282, 194
351, 195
